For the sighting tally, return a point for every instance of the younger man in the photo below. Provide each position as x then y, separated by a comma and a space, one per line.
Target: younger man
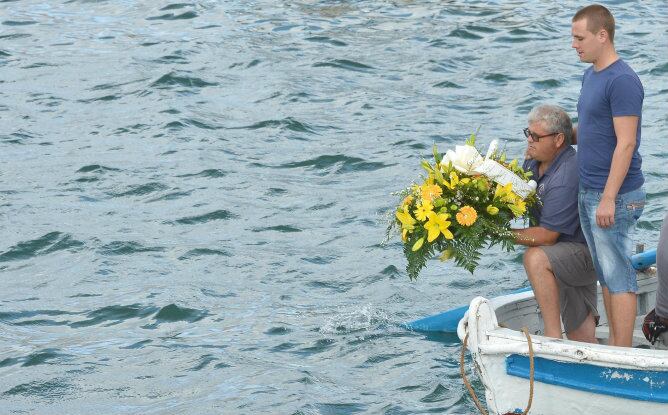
608, 136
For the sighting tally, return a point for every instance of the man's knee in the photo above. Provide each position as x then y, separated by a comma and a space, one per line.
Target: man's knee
535, 259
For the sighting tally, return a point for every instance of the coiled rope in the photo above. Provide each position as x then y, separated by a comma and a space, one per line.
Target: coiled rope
472, 392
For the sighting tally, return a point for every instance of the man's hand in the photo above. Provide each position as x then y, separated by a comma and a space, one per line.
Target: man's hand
605, 213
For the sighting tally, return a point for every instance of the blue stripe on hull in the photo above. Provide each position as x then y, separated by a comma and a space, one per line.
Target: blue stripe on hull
642, 385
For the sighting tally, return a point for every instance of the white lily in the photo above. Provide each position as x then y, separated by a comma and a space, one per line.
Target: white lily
465, 159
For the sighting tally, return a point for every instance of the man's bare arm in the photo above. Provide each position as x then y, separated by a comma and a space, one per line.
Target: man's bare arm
625, 130
535, 236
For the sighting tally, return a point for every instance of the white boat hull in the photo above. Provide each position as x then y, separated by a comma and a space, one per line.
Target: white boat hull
570, 377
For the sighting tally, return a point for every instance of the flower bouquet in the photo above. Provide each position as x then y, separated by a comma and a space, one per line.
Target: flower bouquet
464, 203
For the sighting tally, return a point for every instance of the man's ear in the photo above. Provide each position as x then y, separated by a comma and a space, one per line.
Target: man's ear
560, 140
602, 35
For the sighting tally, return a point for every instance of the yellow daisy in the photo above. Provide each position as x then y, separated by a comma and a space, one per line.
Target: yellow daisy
466, 216
430, 191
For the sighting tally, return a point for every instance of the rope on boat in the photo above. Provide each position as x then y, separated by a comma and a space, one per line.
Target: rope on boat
531, 368
470, 388
466, 381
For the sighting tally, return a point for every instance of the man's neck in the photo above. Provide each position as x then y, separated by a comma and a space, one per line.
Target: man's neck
545, 164
607, 58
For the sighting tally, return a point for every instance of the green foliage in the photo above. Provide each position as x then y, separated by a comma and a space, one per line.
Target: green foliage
462, 214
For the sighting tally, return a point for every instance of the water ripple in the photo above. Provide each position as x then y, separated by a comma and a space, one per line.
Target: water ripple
346, 64
127, 248
339, 163
287, 123
172, 313
198, 252
96, 168
327, 40
172, 16
115, 314
220, 214
172, 79
211, 173
50, 389
140, 190
46, 244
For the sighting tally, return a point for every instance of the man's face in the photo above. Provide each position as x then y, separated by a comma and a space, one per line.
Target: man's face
586, 43
545, 148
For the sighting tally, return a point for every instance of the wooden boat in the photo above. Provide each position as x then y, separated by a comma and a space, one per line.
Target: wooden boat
568, 377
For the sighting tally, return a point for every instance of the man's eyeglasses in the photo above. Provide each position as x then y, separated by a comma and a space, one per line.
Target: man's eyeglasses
536, 138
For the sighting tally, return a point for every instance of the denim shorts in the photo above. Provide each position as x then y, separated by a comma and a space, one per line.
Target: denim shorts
611, 248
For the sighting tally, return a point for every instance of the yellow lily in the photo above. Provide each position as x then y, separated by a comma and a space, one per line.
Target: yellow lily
492, 210
438, 224
519, 207
418, 244
407, 221
504, 193
454, 179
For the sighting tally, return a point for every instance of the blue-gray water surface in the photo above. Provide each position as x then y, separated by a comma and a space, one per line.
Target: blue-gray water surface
192, 194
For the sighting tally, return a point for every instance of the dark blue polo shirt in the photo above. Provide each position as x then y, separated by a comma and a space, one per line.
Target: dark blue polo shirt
558, 193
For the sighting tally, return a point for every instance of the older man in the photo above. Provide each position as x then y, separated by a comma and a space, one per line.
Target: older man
558, 262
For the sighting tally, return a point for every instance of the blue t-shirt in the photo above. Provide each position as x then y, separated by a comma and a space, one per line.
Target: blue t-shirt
558, 195
612, 92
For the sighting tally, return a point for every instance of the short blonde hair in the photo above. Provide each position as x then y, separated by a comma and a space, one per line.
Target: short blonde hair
598, 17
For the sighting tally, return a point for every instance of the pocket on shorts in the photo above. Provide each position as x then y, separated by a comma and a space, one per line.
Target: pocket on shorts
631, 204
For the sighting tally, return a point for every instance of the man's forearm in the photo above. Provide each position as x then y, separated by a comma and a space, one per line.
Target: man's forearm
626, 128
535, 236
621, 160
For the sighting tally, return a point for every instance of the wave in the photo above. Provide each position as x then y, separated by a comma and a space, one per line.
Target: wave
210, 173
53, 389
96, 168
288, 123
140, 190
172, 79
221, 214
172, 16
198, 252
172, 313
343, 164
44, 245
115, 314
326, 39
127, 248
346, 64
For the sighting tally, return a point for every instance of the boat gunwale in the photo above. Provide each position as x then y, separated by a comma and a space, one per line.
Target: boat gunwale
512, 341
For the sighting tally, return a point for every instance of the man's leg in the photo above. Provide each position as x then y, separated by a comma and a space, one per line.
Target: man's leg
623, 318
545, 289
608, 313
586, 332
612, 248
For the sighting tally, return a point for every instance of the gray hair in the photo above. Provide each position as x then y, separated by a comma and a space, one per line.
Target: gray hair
555, 120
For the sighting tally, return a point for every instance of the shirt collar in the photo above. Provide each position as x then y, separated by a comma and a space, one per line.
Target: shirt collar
563, 154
